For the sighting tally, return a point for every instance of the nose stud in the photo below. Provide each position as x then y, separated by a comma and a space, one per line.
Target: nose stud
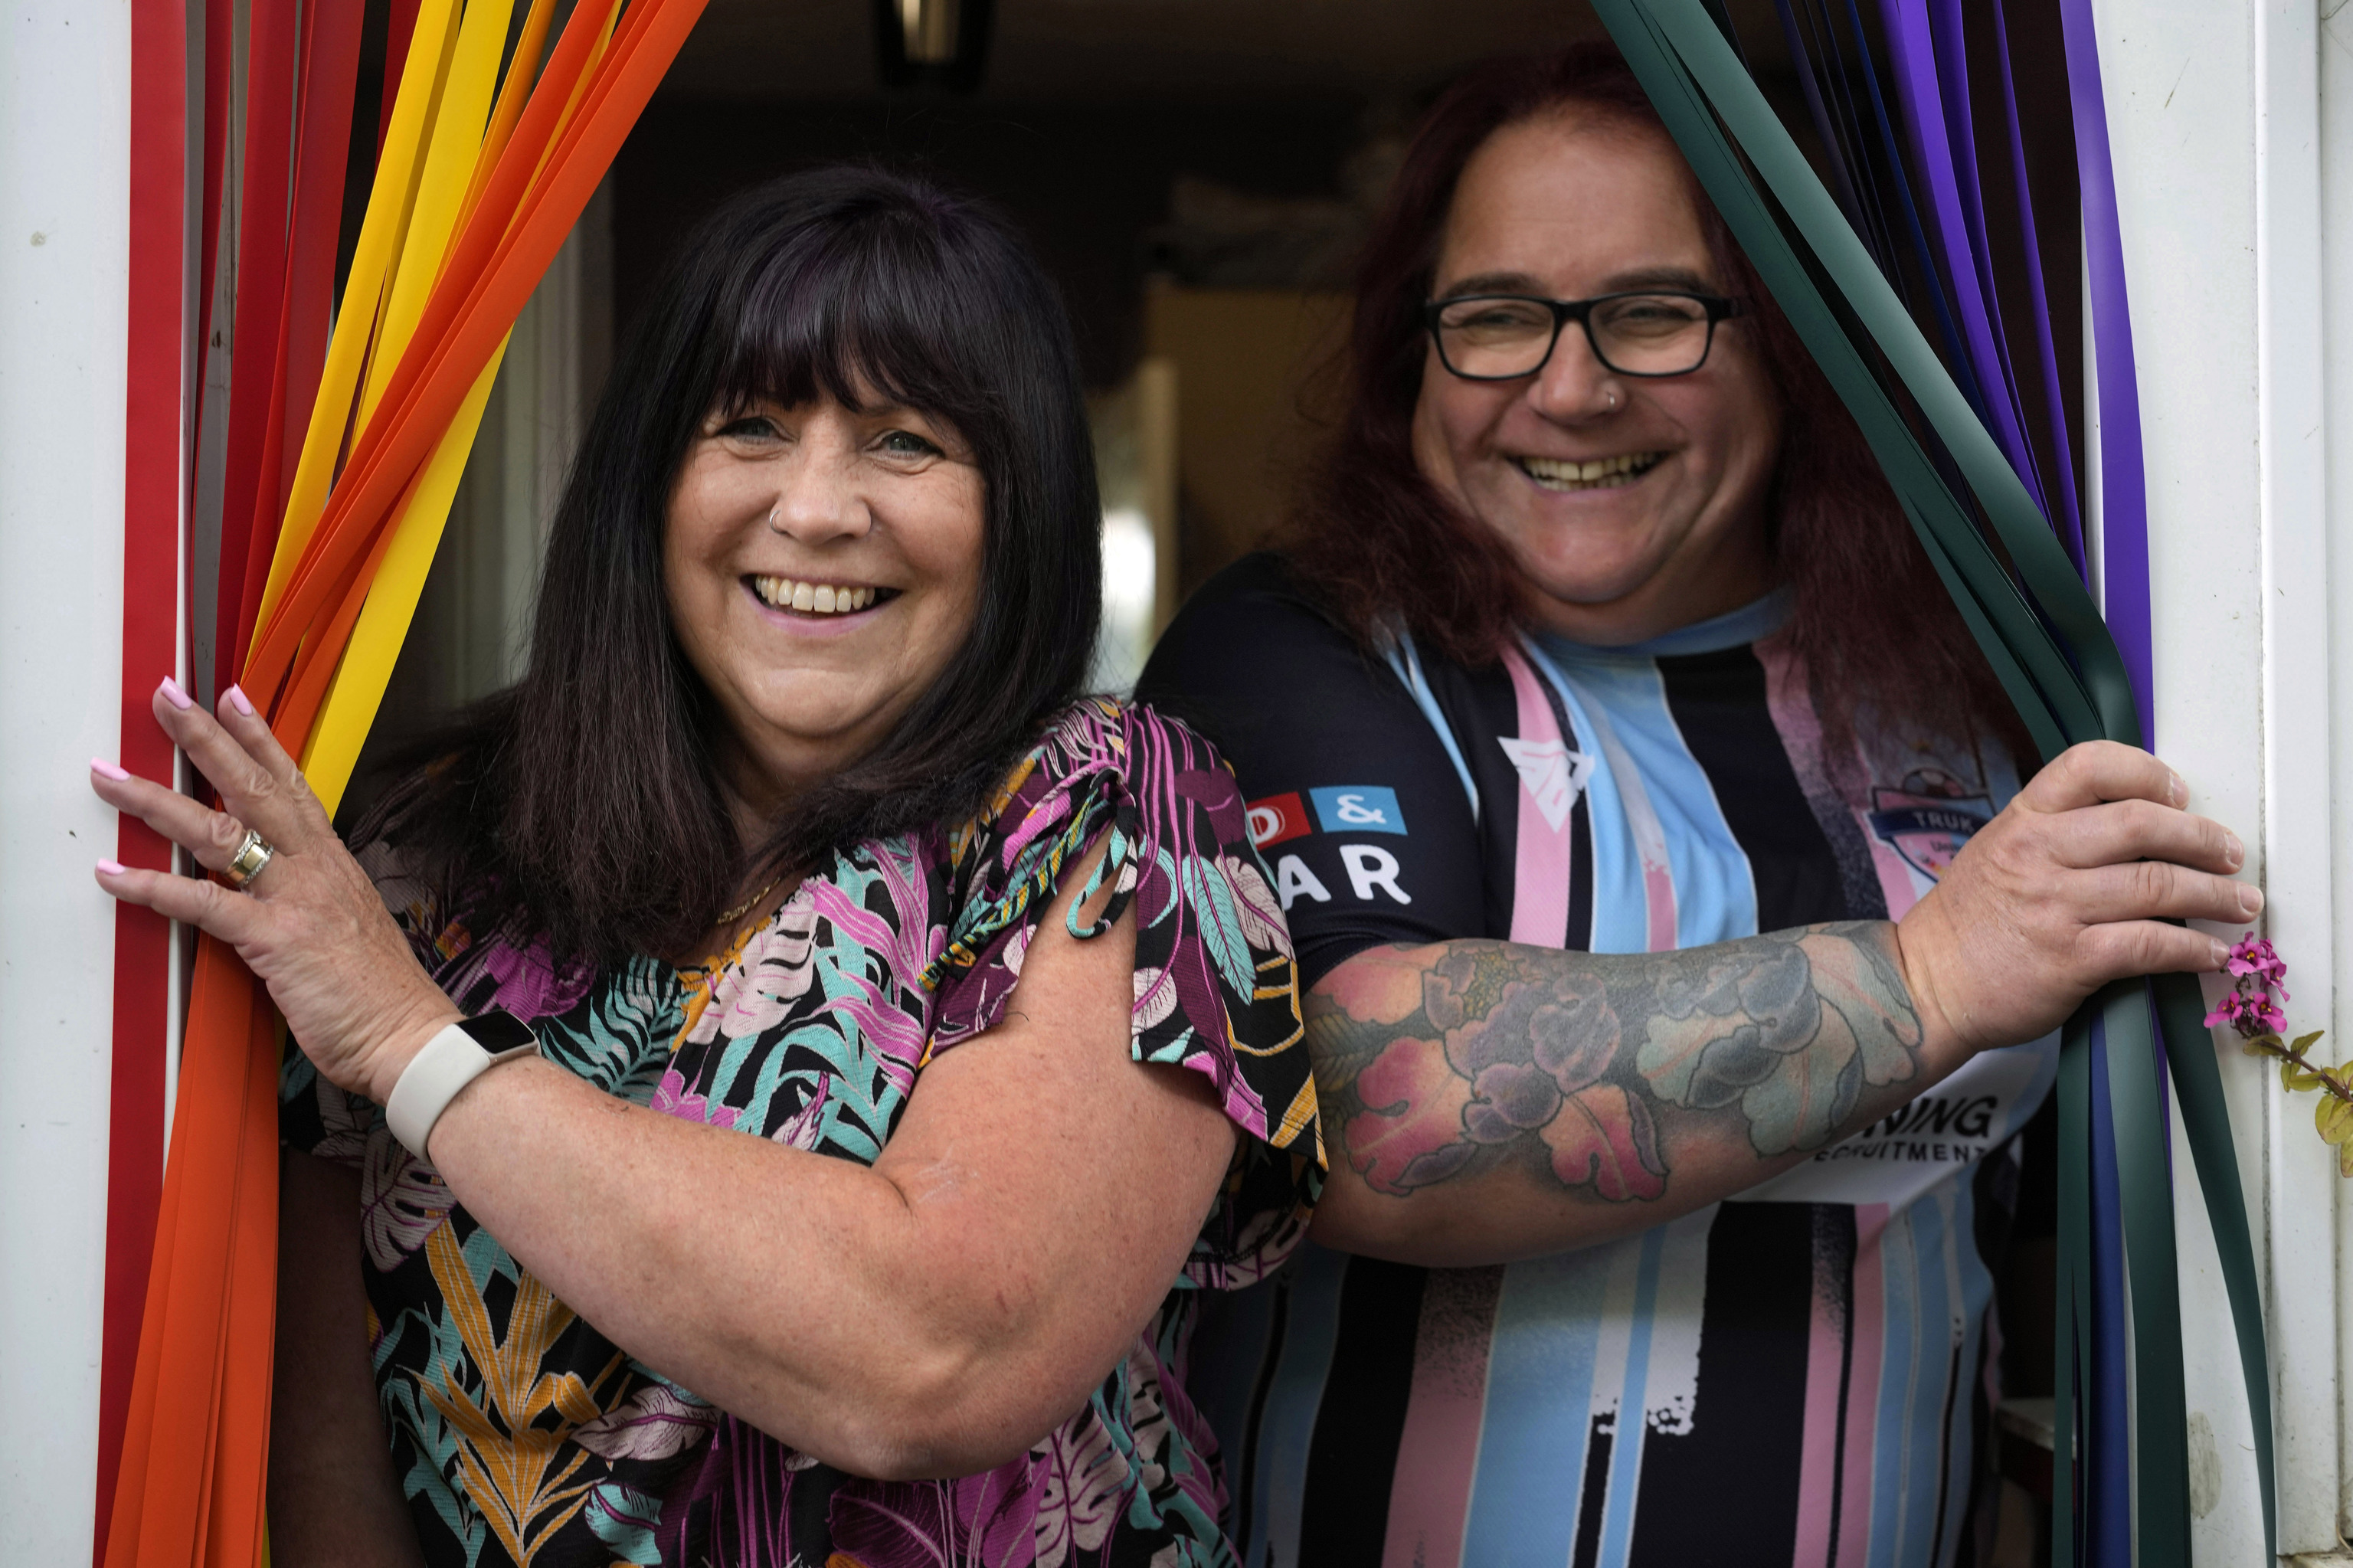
1611, 394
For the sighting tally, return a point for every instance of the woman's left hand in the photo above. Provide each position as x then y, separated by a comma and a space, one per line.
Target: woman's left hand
310, 923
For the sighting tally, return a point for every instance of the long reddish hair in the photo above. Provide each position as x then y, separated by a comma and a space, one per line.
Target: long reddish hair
1381, 546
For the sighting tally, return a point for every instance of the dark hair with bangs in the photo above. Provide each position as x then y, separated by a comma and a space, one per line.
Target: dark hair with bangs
584, 804
1381, 545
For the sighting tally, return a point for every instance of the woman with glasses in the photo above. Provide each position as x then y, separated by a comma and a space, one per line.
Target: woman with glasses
1683, 952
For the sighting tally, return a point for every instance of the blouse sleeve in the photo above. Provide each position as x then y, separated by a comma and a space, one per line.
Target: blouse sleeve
1216, 988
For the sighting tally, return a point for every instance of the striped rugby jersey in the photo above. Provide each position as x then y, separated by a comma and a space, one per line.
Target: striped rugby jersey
1803, 1375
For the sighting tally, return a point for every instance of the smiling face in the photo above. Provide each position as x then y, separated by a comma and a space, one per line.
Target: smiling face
1633, 505
822, 566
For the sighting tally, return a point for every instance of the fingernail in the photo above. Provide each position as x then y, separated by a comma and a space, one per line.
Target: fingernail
101, 766
110, 868
2250, 899
2232, 850
2177, 790
2218, 955
173, 695
236, 699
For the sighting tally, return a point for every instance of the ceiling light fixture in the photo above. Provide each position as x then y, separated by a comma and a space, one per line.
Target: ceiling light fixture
932, 43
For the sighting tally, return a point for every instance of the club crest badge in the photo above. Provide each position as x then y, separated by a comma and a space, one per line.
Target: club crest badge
1928, 818
1553, 775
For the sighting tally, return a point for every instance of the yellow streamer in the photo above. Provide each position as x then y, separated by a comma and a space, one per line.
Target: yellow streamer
381, 232
455, 147
357, 689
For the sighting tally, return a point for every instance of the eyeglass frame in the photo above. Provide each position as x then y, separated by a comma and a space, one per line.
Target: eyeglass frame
1718, 307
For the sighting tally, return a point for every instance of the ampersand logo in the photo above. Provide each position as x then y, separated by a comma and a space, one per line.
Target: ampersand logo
1357, 809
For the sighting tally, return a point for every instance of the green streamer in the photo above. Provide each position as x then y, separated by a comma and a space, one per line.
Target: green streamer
2160, 1412
2072, 1325
2054, 656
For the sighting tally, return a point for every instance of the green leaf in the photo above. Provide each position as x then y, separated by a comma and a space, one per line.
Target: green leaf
2334, 1119
2303, 1041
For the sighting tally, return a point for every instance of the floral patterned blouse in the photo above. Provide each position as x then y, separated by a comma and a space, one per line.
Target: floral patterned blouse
522, 1434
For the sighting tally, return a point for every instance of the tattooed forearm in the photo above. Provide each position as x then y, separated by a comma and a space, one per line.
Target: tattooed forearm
1434, 1062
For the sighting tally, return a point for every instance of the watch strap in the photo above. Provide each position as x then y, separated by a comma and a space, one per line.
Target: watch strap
450, 1061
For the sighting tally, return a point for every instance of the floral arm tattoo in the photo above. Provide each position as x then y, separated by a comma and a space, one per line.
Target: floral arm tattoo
1432, 1063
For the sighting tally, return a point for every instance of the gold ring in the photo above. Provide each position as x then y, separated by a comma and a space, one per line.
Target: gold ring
252, 854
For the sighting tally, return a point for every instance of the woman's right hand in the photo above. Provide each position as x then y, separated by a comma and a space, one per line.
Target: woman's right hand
2069, 888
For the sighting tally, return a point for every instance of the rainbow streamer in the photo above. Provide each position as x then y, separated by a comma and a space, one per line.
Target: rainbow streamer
344, 455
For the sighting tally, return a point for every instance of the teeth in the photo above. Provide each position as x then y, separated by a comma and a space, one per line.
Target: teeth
1597, 474
814, 598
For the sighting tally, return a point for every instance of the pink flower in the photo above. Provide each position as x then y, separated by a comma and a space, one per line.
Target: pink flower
2256, 971
2250, 1015
2256, 957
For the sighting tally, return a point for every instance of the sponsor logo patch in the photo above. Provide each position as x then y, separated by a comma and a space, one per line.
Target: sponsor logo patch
1928, 819
1357, 809
1276, 819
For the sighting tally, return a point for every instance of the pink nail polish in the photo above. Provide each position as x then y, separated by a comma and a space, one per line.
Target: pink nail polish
173, 695
237, 700
110, 867
105, 769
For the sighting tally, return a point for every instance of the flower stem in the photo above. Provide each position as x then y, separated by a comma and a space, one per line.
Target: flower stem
2280, 1048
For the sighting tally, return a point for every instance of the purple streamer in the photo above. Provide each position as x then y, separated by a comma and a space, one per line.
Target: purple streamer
1911, 40
1953, 77
1945, 328
1850, 193
2123, 488
2071, 533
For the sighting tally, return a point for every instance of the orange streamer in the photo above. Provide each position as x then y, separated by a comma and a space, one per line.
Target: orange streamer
189, 1491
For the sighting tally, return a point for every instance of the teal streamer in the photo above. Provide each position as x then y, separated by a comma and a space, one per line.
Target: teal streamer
2052, 653
2205, 1116
2160, 1412
2072, 1326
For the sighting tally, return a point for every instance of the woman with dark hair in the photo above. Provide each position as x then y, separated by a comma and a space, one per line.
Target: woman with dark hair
1684, 950
795, 827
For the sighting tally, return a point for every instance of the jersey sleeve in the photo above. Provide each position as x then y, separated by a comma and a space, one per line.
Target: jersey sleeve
1215, 988
1364, 821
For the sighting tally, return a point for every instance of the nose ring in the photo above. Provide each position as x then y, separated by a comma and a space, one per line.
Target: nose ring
775, 512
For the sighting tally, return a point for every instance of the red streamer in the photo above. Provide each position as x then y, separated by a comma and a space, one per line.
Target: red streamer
155, 427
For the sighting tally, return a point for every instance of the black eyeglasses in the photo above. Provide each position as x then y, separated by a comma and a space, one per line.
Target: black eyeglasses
1502, 338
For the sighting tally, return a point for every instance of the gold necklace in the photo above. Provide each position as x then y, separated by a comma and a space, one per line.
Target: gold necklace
744, 908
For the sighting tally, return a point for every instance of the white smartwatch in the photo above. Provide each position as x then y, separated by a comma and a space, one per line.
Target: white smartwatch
451, 1060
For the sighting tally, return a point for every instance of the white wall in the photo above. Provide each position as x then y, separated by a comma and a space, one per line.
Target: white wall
64, 174
2334, 135
2215, 117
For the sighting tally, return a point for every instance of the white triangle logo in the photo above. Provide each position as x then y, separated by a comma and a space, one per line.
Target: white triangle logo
1553, 775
